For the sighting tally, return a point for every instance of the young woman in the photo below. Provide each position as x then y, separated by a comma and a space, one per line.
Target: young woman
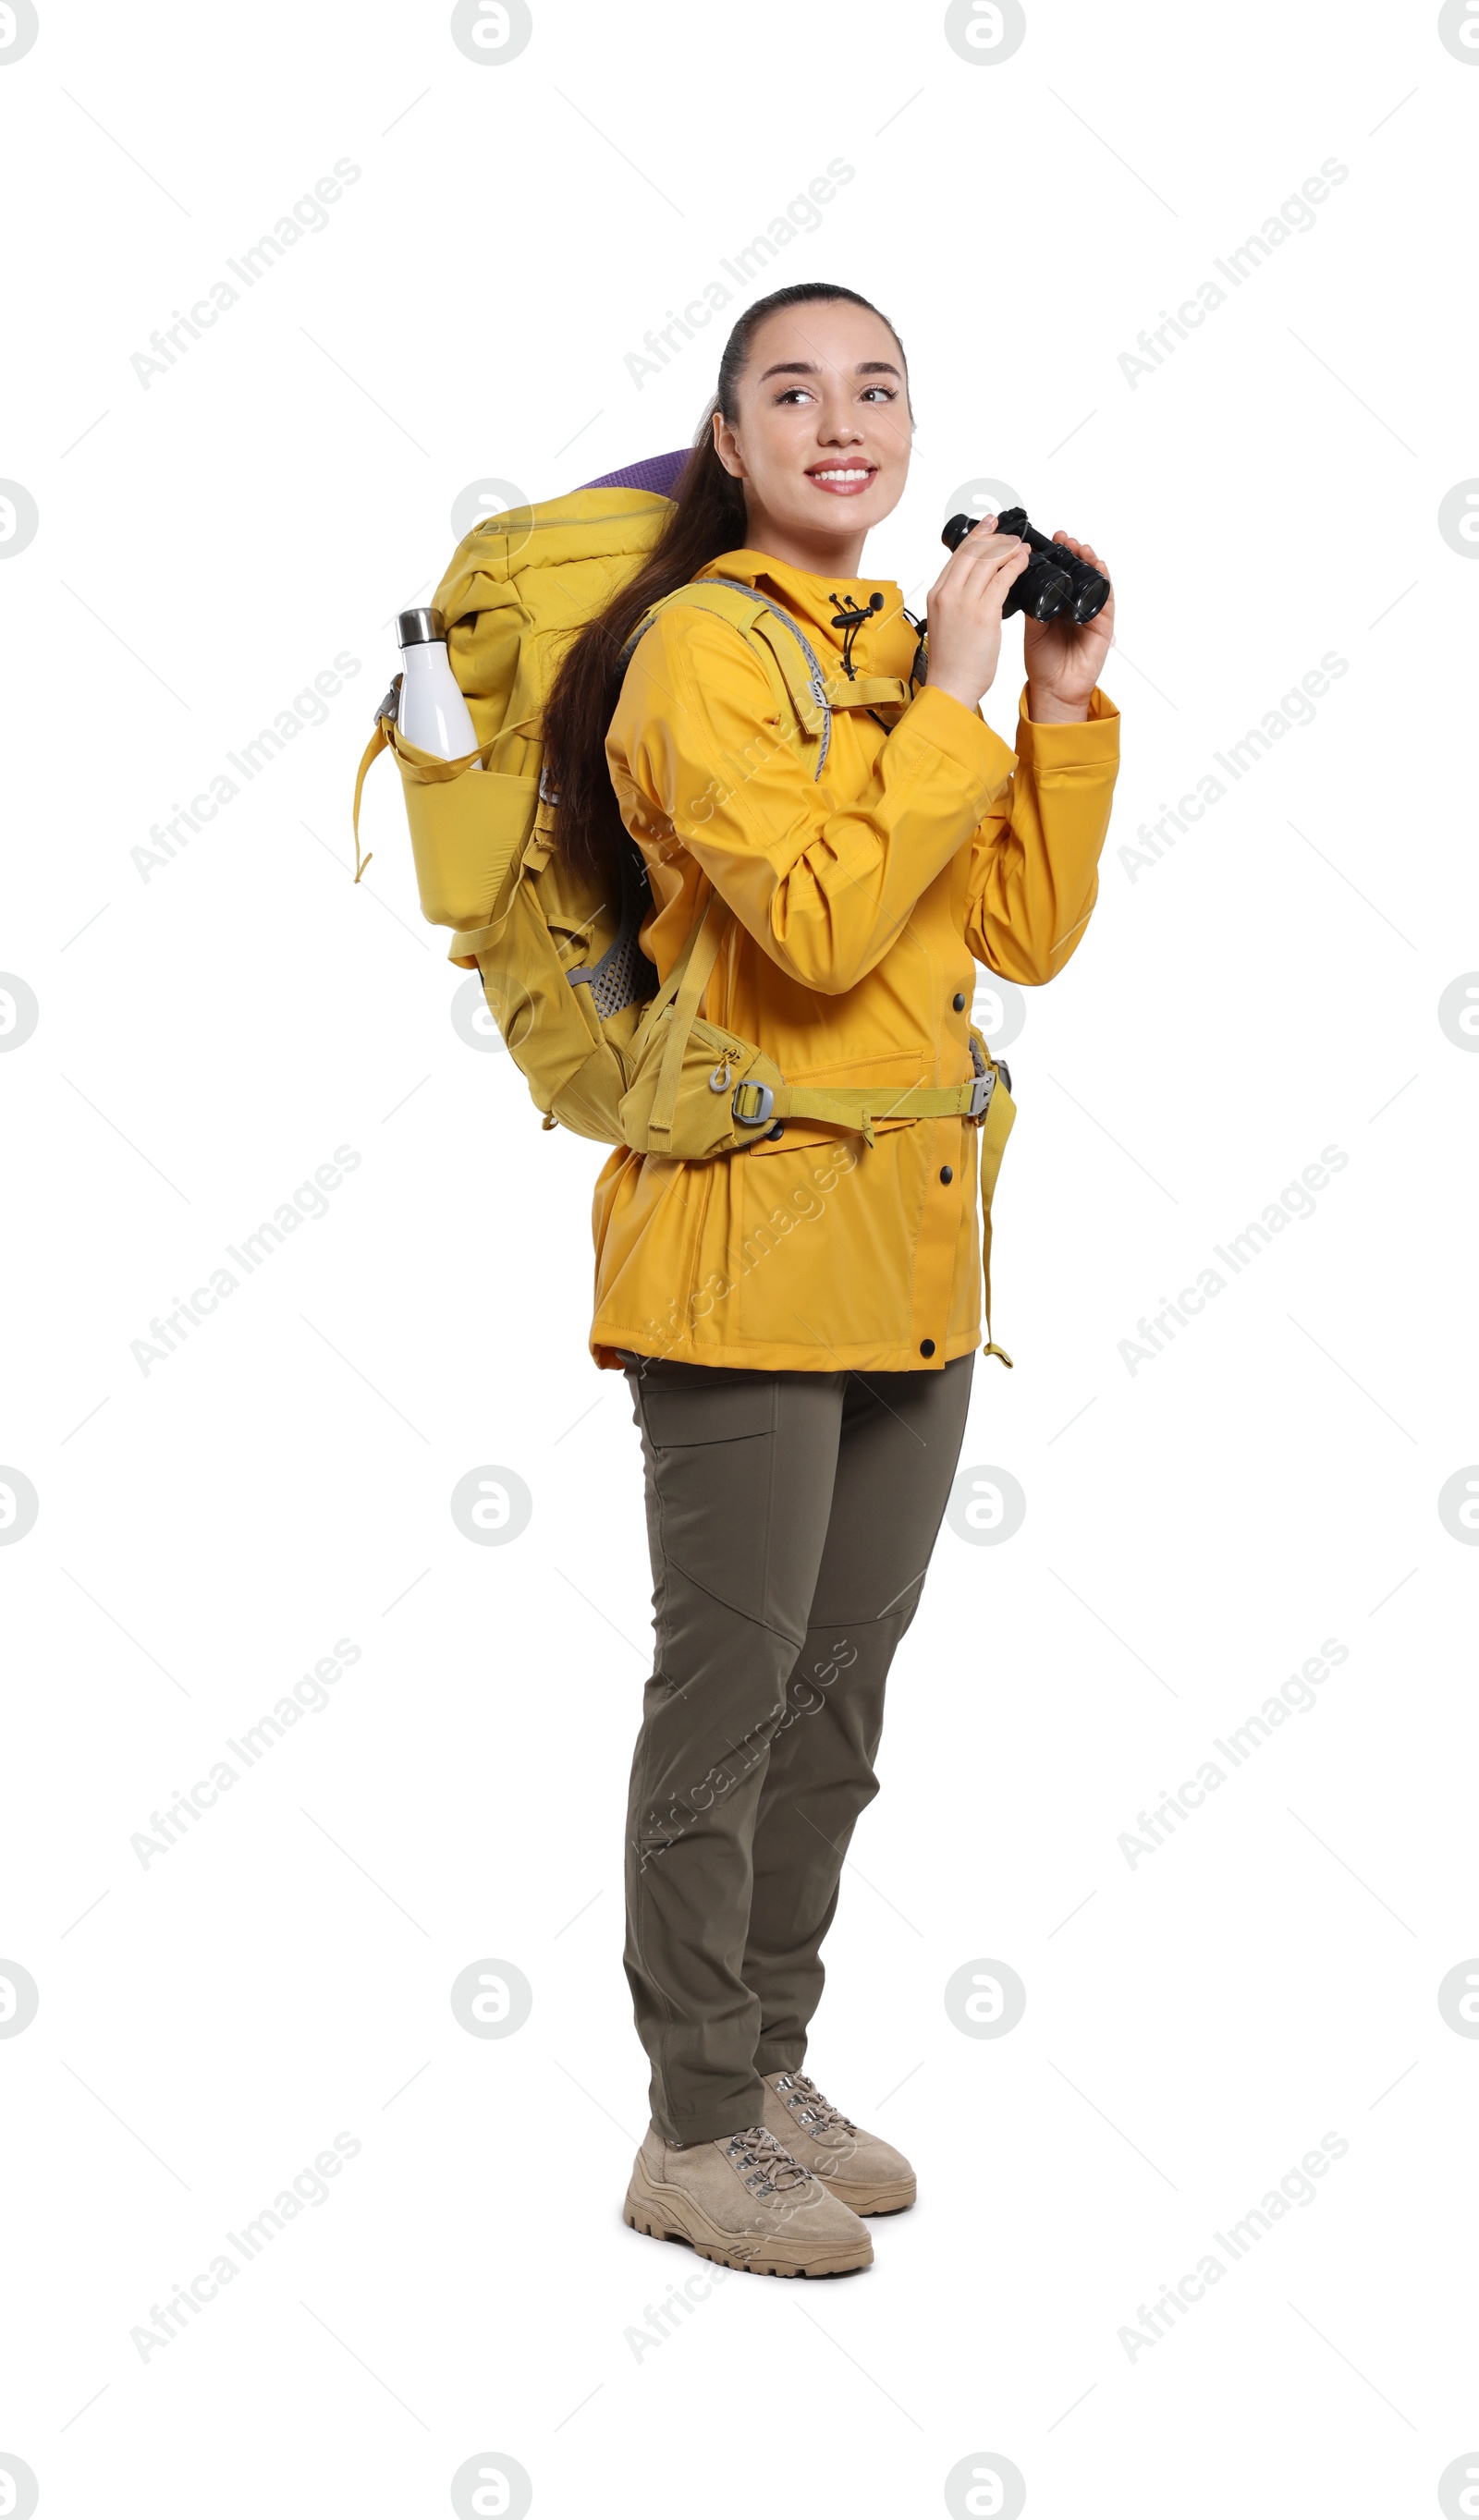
798, 1320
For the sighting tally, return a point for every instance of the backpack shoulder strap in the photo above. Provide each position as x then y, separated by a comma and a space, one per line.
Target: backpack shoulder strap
813, 693
787, 653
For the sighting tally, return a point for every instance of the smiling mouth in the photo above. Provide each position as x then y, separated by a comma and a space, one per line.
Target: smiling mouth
843, 480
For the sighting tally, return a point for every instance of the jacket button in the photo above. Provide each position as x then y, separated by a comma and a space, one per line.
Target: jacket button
959, 1002
778, 1131
945, 1173
926, 1347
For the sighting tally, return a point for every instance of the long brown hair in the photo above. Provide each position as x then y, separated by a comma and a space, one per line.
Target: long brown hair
708, 519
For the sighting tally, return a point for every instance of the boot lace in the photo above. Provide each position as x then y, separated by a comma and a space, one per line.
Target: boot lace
811, 2108
765, 2166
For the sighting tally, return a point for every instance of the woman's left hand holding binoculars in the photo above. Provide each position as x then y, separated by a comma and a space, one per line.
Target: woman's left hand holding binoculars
1068, 611
1063, 658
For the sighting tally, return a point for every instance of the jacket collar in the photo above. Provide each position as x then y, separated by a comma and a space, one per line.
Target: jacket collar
809, 600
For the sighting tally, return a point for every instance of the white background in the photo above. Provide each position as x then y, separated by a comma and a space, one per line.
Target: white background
210, 1030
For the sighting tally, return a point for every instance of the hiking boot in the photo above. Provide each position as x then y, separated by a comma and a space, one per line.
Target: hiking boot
745, 2202
860, 2170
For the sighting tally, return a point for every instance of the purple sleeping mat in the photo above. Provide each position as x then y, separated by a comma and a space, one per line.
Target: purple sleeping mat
657, 473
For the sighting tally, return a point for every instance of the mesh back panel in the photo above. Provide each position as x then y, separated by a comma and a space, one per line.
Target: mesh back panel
623, 972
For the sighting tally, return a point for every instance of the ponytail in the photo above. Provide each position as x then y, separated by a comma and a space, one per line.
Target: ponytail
709, 518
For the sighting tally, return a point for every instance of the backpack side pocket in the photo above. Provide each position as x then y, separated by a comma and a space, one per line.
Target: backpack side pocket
468, 825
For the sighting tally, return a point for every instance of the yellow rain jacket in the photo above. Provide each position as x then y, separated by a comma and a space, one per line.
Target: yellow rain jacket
862, 903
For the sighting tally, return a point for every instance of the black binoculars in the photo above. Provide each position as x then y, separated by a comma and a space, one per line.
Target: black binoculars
1054, 580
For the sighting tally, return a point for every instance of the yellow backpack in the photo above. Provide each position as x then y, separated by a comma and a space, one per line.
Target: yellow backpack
603, 1049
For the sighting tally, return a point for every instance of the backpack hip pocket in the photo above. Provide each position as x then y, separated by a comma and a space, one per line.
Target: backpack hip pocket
689, 1113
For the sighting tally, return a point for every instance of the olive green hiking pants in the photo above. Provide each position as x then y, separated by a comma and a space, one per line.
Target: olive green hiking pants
790, 1518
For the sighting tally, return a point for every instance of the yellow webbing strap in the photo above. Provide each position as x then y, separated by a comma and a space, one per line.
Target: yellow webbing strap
700, 956
868, 691
468, 943
995, 1129
377, 743
668, 990
538, 848
857, 1106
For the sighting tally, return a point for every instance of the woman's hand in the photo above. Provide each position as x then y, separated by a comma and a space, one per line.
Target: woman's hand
965, 612
1063, 658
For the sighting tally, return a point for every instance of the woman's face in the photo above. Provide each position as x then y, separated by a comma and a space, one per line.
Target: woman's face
821, 436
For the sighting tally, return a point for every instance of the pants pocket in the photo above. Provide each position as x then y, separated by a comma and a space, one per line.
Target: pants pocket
708, 1405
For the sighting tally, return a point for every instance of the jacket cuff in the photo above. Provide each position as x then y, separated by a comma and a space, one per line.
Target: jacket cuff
949, 728
1082, 745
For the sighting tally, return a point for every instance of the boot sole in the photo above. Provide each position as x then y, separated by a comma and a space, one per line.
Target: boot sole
895, 2198
666, 2212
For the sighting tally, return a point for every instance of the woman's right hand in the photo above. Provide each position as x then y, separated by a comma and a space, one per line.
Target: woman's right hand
965, 613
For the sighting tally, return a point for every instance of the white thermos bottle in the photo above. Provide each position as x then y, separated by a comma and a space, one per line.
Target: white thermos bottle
433, 713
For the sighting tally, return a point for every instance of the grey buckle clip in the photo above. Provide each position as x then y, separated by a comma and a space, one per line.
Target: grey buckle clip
982, 1090
765, 1105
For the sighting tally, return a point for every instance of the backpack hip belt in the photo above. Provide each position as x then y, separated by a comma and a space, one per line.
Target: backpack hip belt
857, 1106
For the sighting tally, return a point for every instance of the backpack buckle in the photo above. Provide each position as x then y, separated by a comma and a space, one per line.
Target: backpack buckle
982, 1090
765, 1103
